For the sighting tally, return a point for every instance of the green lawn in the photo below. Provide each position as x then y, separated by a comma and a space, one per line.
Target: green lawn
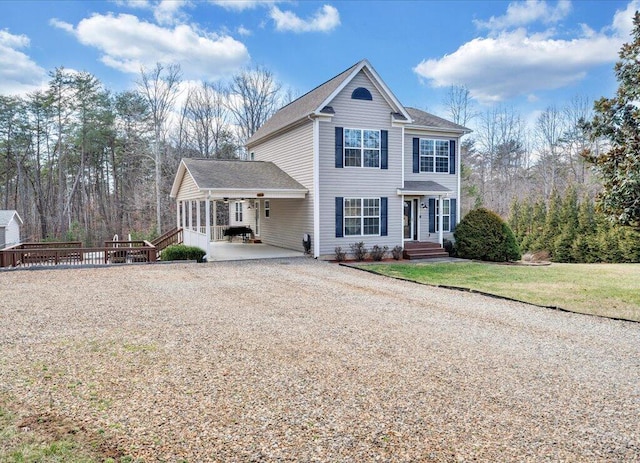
610, 290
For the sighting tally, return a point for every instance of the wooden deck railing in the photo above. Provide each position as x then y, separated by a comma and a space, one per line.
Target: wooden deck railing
51, 254
167, 239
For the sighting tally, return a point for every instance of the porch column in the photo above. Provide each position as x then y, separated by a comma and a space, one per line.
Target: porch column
198, 218
440, 217
215, 220
178, 213
190, 215
207, 226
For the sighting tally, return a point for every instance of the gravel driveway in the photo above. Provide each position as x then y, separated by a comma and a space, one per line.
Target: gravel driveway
300, 360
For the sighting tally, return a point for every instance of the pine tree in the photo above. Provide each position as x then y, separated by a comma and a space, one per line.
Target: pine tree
617, 119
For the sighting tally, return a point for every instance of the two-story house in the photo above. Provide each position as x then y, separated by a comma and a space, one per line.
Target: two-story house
344, 163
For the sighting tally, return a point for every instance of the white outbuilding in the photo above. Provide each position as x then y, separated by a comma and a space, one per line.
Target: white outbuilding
10, 223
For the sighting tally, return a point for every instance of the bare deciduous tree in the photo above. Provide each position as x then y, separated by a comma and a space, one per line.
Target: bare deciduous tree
160, 87
253, 96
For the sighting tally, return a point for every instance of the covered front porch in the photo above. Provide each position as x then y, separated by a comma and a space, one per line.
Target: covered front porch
201, 186
427, 212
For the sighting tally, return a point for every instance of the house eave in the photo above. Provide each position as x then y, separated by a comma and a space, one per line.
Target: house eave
403, 192
253, 193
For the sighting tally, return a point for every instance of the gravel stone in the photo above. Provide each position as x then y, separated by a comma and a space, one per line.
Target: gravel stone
302, 360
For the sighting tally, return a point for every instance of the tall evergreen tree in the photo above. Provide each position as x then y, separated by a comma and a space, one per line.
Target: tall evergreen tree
617, 119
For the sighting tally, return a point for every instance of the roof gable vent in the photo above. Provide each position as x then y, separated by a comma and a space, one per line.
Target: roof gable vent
361, 93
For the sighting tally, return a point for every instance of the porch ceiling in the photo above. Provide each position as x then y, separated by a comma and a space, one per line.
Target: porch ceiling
426, 188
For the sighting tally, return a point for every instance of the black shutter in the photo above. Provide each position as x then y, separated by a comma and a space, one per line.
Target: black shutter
416, 155
339, 216
432, 215
383, 217
453, 214
452, 156
384, 149
339, 143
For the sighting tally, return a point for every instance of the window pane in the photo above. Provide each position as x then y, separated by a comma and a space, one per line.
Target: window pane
442, 148
445, 221
352, 226
371, 158
371, 226
426, 164
445, 207
371, 139
352, 207
442, 164
352, 138
352, 157
426, 146
371, 207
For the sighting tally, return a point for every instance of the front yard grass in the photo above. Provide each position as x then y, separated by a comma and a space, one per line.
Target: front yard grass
609, 290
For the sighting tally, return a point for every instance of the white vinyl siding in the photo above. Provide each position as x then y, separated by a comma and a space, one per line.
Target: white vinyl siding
290, 218
188, 188
359, 183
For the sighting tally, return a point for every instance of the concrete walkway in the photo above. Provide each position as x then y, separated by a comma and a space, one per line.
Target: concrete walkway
225, 251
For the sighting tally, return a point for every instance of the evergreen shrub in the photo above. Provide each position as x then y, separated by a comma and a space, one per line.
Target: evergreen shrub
183, 252
483, 235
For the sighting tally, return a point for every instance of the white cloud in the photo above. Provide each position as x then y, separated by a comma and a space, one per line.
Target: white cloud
243, 31
241, 5
325, 19
127, 43
514, 63
19, 74
523, 13
169, 12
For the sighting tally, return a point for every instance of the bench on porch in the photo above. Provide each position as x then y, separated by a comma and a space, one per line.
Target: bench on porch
243, 231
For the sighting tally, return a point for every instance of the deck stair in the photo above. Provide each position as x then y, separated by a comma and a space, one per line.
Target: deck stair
167, 239
423, 250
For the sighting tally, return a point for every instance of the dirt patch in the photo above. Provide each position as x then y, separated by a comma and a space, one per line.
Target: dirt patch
51, 427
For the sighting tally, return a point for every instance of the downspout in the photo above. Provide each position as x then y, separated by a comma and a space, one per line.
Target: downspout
316, 186
458, 167
402, 197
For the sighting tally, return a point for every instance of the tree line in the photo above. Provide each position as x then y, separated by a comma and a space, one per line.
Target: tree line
81, 162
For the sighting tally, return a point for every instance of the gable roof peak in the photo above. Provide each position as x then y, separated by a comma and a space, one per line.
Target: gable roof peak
314, 101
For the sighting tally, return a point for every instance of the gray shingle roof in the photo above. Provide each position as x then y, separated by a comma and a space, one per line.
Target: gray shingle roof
424, 186
425, 119
250, 175
302, 107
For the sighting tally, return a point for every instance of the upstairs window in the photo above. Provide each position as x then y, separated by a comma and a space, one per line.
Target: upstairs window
361, 148
434, 155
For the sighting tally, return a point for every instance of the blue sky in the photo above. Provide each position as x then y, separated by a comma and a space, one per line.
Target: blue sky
528, 55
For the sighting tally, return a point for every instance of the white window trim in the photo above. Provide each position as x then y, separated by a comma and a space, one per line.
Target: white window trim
361, 216
446, 218
267, 209
361, 148
433, 156
239, 212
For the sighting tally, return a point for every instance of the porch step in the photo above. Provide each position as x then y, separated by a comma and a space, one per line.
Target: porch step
423, 250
